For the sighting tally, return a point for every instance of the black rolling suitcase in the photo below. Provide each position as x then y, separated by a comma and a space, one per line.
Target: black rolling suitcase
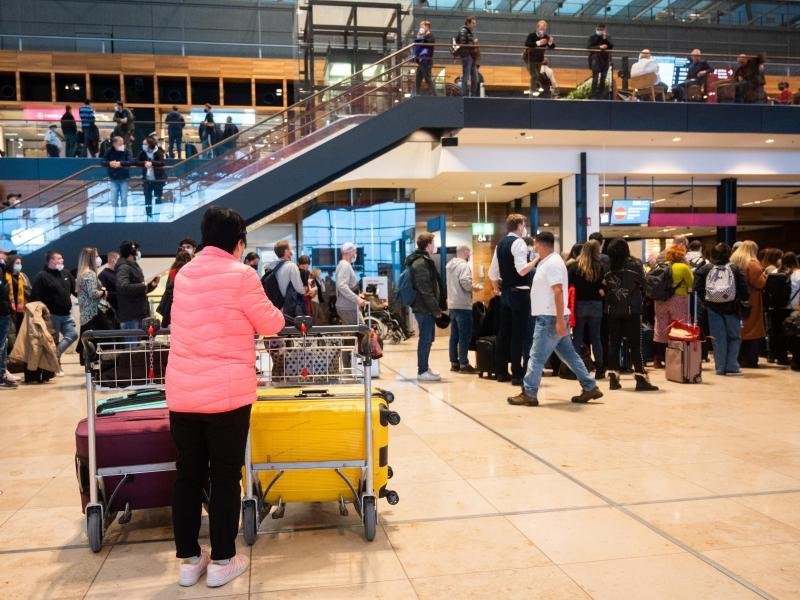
485, 356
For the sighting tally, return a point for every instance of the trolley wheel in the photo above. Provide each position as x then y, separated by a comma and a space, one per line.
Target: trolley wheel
392, 497
249, 522
370, 517
94, 528
393, 418
391, 472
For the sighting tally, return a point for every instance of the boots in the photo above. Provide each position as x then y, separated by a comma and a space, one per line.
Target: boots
643, 383
613, 381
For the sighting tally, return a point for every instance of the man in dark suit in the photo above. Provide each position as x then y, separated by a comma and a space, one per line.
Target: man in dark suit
535, 45
599, 61
697, 75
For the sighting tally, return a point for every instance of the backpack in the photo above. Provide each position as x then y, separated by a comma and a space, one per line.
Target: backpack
778, 290
720, 285
658, 282
271, 287
455, 47
697, 262
406, 293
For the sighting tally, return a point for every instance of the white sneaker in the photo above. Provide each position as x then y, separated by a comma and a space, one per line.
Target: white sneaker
429, 376
190, 573
59, 373
11, 377
219, 575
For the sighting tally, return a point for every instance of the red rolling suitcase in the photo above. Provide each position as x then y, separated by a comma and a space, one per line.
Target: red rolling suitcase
127, 439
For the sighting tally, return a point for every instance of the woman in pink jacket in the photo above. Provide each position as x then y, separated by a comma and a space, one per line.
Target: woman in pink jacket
218, 306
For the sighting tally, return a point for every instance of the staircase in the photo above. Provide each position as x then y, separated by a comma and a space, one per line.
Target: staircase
262, 168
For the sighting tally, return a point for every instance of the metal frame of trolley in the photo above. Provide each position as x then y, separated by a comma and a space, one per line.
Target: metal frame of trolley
116, 346
304, 340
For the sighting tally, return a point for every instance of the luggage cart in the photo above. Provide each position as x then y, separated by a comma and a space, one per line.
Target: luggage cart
302, 343
118, 360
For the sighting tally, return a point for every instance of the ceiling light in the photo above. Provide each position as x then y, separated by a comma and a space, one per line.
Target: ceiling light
770, 141
528, 137
545, 224
473, 192
767, 200
676, 139
605, 195
487, 185
461, 197
657, 201
626, 235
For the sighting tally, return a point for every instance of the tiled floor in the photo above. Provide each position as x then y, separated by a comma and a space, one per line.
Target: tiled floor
689, 492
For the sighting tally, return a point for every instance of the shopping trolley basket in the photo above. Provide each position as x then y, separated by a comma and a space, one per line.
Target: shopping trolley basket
319, 440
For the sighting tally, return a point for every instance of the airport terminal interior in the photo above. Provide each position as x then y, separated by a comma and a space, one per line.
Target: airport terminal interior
649, 148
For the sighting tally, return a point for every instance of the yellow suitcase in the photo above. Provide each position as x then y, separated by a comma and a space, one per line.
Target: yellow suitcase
314, 425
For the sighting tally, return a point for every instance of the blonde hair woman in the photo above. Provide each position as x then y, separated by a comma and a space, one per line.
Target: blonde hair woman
675, 308
753, 331
586, 275
90, 292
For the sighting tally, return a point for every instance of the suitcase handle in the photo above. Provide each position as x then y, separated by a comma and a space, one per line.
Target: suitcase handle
314, 393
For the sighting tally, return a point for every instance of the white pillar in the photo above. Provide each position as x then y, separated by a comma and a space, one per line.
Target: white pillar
568, 231
592, 204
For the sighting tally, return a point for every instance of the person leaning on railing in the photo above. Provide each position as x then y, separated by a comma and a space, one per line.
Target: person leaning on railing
535, 46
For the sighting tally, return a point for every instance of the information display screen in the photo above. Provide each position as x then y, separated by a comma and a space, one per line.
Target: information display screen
630, 212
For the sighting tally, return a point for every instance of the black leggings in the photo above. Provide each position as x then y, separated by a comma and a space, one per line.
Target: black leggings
630, 328
210, 454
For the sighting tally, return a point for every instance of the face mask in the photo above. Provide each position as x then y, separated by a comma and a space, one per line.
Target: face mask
138, 256
60, 267
598, 32
2, 261
524, 232
98, 261
541, 32
119, 148
17, 267
421, 31
190, 250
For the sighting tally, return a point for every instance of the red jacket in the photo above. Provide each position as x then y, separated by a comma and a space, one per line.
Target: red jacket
218, 306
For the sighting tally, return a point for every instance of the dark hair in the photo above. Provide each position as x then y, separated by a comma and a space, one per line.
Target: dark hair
423, 240
470, 18
280, 248
546, 238
223, 228
576, 250
13, 195
696, 246
175, 108
304, 260
87, 101
618, 253
772, 257
187, 240
181, 258
597, 236
721, 253
601, 26
514, 220
250, 256
528, 240
789, 262
128, 248
49, 255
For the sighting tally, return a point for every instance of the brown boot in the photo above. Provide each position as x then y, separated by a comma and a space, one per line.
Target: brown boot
523, 399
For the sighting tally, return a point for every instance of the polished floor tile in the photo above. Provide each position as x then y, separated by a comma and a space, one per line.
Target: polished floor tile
43, 528
400, 589
436, 500
534, 492
671, 577
63, 574
781, 507
591, 535
462, 546
541, 583
641, 484
713, 524
772, 568
734, 477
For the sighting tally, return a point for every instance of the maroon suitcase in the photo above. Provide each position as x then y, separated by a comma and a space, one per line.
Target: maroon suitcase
136, 437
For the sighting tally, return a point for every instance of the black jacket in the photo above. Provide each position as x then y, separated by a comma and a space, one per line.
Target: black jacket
533, 53
601, 59
131, 292
695, 68
5, 300
108, 279
158, 164
624, 289
175, 122
68, 125
723, 308
586, 290
464, 38
430, 294
123, 157
55, 289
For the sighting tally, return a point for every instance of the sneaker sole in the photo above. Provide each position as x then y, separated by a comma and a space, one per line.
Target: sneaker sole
213, 583
190, 582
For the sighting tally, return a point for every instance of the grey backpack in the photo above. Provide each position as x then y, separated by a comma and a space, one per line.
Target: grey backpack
721, 285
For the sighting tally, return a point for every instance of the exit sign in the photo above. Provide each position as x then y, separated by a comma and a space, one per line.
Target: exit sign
483, 229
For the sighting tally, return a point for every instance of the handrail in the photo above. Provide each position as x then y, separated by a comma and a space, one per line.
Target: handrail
295, 106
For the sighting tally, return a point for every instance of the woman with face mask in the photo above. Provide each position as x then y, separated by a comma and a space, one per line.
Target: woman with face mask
118, 159
19, 289
91, 295
151, 159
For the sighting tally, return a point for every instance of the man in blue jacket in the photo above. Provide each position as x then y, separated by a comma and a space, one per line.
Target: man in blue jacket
423, 54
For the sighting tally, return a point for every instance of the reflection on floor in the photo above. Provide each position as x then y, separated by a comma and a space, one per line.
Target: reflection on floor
689, 492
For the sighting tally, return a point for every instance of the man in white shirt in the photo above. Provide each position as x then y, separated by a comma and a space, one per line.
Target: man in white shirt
644, 65
348, 302
510, 274
551, 334
287, 275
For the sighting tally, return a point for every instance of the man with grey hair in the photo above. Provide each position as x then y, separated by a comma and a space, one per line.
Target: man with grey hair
459, 302
348, 302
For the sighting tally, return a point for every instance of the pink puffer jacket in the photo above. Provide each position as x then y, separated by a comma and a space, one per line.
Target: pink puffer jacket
219, 304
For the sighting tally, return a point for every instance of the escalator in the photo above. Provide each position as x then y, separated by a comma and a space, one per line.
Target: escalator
256, 172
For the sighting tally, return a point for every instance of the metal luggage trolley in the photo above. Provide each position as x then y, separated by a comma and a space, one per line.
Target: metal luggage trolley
121, 360
306, 352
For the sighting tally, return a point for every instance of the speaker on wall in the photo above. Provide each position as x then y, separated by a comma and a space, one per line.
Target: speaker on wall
172, 90
139, 89
36, 87
105, 88
8, 86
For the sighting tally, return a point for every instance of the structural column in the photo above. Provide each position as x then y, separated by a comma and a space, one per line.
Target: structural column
580, 206
726, 203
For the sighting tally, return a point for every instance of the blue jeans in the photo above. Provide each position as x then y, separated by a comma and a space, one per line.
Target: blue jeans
5, 320
545, 342
588, 323
65, 326
726, 331
175, 143
427, 333
119, 192
469, 76
460, 334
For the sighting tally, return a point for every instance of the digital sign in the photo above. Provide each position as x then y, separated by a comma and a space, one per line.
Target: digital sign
483, 229
630, 212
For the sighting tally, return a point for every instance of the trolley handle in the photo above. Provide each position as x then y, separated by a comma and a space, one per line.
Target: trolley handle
314, 393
